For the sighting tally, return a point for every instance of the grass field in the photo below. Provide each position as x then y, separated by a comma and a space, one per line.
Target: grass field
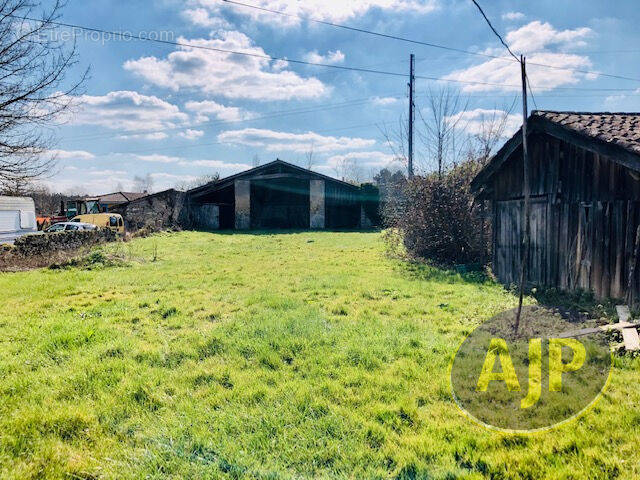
291, 356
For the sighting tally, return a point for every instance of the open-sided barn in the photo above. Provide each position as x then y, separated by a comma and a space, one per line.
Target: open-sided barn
278, 195
585, 202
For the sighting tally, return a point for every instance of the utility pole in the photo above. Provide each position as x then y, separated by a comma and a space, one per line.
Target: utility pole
412, 112
526, 240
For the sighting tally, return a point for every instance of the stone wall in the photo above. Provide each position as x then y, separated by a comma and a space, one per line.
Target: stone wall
160, 211
48, 243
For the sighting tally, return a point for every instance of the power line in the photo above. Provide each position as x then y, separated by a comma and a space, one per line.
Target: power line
130, 36
429, 44
361, 30
214, 123
196, 145
302, 111
495, 31
525, 77
531, 92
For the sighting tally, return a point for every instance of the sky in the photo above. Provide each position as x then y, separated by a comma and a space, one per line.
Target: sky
179, 113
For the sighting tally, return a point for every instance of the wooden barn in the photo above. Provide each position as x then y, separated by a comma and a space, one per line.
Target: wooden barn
585, 203
279, 195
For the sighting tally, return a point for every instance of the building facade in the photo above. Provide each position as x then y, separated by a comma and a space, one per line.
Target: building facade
585, 203
280, 195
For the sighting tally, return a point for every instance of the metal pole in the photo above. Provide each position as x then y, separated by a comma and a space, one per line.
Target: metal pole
412, 113
526, 241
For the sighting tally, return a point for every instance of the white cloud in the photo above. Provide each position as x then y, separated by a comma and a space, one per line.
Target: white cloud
232, 76
532, 39
127, 110
536, 36
172, 176
164, 181
363, 159
274, 141
183, 162
615, 102
72, 154
107, 173
478, 120
217, 164
221, 112
329, 58
84, 185
204, 18
191, 134
385, 101
156, 158
513, 16
327, 10
145, 136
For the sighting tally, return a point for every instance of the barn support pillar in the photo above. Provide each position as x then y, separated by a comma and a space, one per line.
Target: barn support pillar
365, 221
243, 204
316, 204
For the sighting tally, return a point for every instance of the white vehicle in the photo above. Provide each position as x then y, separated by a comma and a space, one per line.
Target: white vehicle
70, 227
17, 218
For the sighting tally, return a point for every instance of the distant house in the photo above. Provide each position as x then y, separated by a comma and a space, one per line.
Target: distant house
106, 203
585, 210
280, 195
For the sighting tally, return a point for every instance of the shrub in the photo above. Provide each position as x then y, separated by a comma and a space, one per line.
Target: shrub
437, 218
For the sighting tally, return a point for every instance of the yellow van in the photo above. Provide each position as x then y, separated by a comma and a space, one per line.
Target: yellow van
113, 221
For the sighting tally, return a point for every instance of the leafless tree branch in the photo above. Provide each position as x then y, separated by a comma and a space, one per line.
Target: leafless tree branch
34, 92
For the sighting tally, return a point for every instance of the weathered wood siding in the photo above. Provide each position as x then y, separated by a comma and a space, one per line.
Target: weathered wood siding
584, 216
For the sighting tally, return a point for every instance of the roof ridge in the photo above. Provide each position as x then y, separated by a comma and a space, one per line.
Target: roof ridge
573, 112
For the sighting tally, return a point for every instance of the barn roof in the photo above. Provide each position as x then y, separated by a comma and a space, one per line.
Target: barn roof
614, 135
262, 168
621, 129
118, 197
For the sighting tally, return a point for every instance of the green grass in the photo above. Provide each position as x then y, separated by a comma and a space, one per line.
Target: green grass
290, 356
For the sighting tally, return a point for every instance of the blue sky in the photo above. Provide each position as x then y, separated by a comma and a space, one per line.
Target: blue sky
179, 113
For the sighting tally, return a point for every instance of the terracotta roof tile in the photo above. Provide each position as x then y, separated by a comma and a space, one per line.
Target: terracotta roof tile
621, 129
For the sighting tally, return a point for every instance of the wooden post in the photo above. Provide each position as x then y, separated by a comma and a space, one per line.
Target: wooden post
412, 113
526, 241
632, 270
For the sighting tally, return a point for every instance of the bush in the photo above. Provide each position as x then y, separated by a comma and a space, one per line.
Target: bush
437, 218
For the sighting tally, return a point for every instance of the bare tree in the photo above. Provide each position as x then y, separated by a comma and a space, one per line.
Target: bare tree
46, 201
348, 170
491, 132
143, 184
15, 187
397, 139
255, 161
198, 182
440, 125
33, 65
309, 157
